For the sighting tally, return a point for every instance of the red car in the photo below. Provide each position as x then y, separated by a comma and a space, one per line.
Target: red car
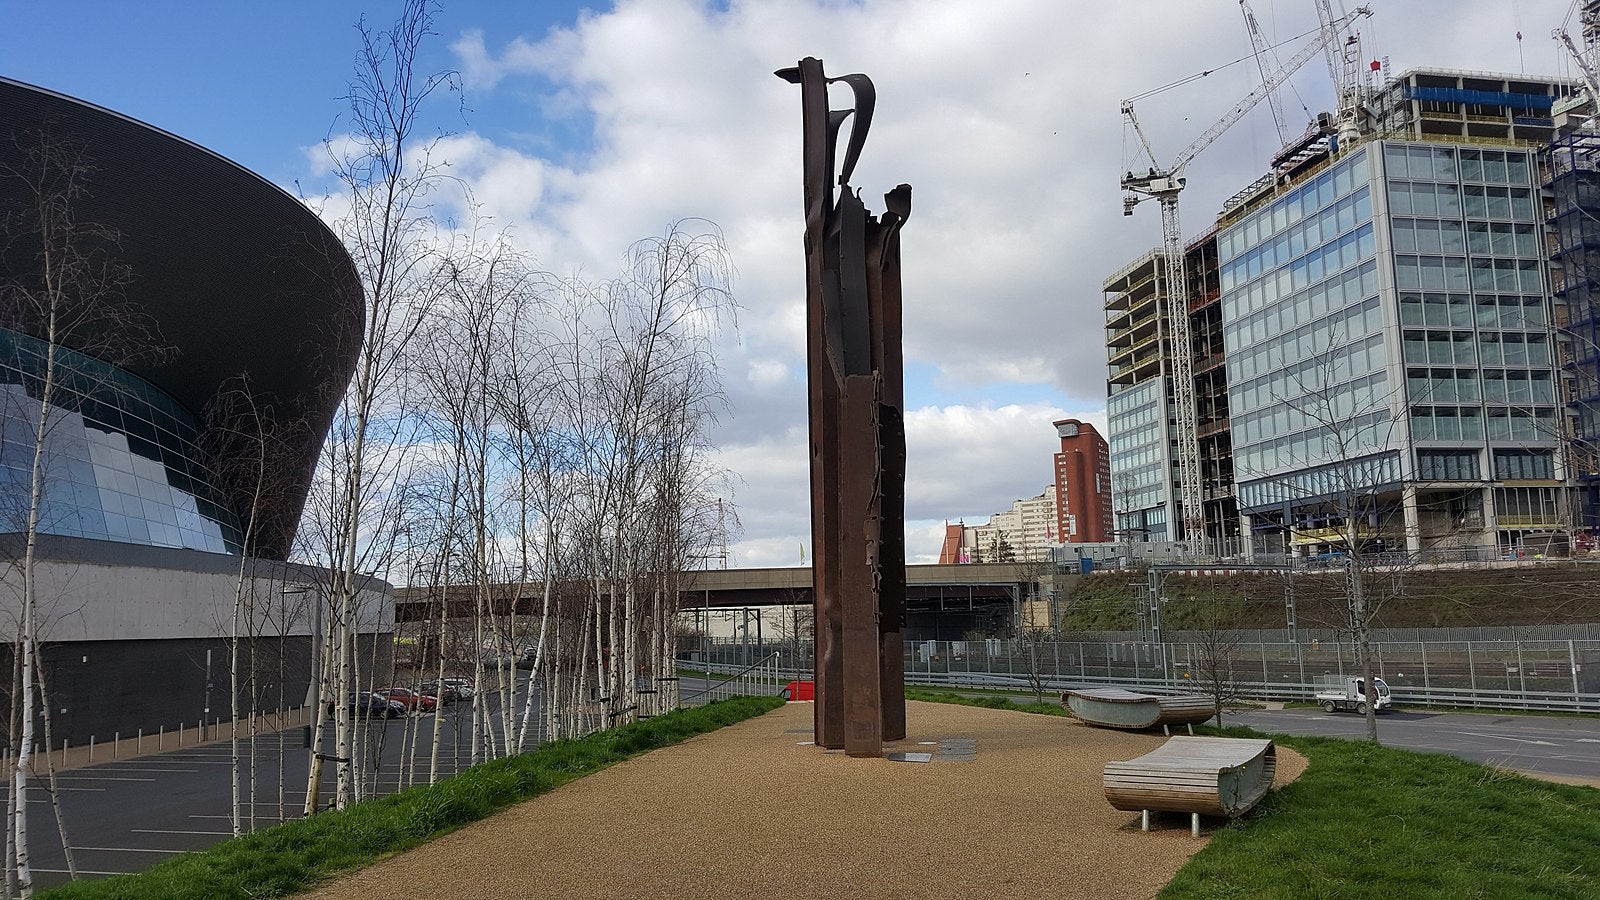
410, 699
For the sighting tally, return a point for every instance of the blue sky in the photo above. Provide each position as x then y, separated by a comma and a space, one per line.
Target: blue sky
253, 81
587, 130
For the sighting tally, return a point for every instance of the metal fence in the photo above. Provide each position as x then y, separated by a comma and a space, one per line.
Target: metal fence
1550, 675
1531, 675
1582, 632
765, 677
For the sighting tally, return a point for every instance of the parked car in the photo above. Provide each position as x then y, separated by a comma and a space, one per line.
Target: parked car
445, 691
442, 692
410, 700
369, 705
464, 687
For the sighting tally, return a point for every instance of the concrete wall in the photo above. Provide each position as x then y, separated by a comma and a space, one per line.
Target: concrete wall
92, 590
126, 630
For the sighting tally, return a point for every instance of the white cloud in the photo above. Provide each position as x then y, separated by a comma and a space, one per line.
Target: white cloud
961, 461
1004, 118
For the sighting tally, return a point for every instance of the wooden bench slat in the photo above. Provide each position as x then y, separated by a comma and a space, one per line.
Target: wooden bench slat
1215, 776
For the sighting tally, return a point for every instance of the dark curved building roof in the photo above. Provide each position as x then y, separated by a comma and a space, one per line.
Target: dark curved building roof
240, 277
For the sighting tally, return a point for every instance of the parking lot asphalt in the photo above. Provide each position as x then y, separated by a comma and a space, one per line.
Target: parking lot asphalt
128, 814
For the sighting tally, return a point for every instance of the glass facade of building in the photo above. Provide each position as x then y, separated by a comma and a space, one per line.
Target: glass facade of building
121, 459
1141, 471
1323, 364
1303, 332
1468, 256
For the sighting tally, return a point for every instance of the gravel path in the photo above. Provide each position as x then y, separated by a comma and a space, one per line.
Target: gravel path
1010, 806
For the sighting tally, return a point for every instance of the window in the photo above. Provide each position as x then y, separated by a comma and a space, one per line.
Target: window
1447, 465
1514, 465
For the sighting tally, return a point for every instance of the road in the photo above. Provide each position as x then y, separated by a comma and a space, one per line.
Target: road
1566, 746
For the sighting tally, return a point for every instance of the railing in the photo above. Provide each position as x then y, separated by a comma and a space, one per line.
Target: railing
1526, 675
1201, 300
1540, 675
1535, 520
761, 678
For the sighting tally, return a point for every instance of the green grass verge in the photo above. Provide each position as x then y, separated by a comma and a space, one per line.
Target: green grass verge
701, 673
1371, 821
987, 701
1367, 821
294, 856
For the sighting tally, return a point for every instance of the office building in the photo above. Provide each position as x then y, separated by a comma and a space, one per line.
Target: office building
1389, 358
1139, 407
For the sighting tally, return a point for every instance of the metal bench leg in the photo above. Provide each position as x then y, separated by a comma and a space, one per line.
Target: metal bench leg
1191, 728
1166, 731
1144, 820
1194, 824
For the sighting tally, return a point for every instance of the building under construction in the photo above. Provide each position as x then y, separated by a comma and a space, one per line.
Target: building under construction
1139, 346
1573, 185
1371, 334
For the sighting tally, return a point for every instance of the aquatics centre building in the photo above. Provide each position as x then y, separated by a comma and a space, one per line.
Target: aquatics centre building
235, 286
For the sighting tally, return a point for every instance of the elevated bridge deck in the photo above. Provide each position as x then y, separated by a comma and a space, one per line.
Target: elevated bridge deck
941, 601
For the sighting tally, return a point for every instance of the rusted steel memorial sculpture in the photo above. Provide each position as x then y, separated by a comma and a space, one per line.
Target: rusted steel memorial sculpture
854, 369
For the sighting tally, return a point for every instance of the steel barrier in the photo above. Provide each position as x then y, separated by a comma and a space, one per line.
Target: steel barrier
1544, 675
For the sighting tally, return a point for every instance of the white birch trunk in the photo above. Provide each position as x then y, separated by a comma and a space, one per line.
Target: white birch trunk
50, 775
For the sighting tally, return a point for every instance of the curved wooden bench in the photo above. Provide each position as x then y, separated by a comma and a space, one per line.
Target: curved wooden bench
1117, 708
1187, 709
1196, 775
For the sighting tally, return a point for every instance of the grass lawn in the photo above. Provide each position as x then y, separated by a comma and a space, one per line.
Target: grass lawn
1372, 821
987, 699
1367, 821
295, 855
701, 673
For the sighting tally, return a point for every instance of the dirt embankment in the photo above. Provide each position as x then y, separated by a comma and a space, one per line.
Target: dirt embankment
1547, 594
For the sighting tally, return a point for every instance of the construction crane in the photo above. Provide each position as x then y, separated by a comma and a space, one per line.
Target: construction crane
1259, 42
1164, 184
1344, 67
1590, 18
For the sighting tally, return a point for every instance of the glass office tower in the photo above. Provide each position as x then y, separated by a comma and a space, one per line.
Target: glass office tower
1389, 351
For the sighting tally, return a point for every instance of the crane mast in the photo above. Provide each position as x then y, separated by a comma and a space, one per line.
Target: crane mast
1164, 185
1344, 67
1259, 42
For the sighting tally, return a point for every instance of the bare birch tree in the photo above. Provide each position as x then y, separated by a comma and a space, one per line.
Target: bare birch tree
386, 177
655, 393
1342, 493
70, 301
248, 454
